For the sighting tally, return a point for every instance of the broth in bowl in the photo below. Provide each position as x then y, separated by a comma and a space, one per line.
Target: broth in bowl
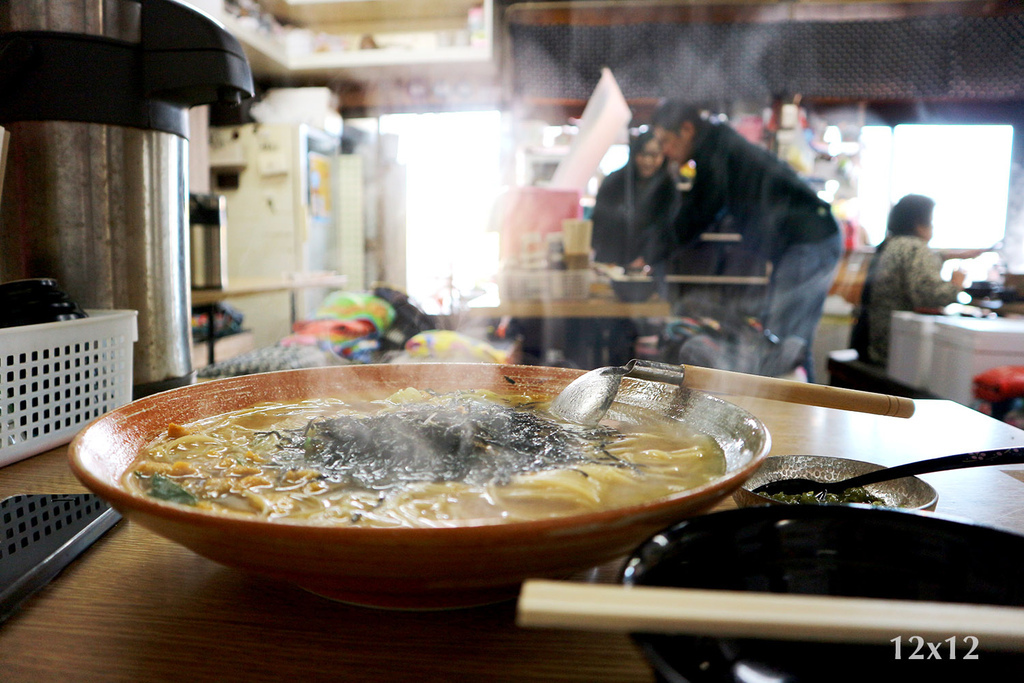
420, 459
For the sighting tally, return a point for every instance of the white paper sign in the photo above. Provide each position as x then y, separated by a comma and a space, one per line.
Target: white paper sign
604, 119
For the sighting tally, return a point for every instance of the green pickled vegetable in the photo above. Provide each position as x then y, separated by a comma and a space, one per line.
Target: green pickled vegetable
856, 494
163, 488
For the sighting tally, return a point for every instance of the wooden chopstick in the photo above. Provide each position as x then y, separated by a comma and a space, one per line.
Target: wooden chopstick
5, 139
742, 384
644, 609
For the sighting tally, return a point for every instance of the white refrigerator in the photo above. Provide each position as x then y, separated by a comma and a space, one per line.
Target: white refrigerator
278, 183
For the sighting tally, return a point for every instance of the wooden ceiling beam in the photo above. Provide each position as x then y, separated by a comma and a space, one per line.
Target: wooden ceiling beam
617, 12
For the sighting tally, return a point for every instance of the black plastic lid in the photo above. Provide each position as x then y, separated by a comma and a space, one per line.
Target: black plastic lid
184, 59
34, 301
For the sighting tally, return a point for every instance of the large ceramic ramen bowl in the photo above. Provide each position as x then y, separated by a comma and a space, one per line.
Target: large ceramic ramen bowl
405, 567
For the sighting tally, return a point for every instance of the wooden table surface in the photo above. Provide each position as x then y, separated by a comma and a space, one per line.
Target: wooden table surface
251, 286
135, 607
595, 307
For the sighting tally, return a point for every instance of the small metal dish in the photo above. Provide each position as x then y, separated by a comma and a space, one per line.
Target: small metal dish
908, 493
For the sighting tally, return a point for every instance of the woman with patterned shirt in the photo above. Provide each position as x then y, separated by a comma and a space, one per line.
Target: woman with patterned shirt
904, 275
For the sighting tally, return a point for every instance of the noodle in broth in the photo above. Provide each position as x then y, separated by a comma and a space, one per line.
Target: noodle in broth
419, 458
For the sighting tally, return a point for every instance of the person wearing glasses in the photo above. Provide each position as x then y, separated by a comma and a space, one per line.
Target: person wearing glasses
632, 205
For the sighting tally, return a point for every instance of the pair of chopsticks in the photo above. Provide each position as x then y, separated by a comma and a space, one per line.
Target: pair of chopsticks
5, 140
737, 614
757, 386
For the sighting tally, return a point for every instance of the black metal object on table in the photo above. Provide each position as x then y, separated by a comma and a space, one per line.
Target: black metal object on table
41, 534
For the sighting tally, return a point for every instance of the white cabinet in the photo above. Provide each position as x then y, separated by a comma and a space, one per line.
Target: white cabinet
965, 347
277, 180
911, 340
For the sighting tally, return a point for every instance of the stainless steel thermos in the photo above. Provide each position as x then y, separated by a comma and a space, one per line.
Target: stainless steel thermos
96, 95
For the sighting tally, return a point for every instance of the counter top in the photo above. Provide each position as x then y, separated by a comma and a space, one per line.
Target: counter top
137, 608
249, 286
594, 307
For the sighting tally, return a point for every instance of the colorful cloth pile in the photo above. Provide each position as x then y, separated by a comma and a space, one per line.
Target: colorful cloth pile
349, 324
446, 345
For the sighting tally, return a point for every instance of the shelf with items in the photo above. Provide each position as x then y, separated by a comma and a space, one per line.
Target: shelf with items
536, 164
369, 12
363, 39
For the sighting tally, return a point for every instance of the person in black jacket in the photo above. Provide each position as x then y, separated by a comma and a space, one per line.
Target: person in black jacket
774, 211
631, 205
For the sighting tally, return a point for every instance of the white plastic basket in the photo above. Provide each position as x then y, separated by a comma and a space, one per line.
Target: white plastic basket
523, 285
544, 285
57, 377
569, 284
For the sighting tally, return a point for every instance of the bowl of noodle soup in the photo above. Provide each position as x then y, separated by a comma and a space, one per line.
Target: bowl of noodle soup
416, 486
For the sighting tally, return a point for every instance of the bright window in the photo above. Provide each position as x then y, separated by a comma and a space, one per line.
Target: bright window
964, 168
452, 166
